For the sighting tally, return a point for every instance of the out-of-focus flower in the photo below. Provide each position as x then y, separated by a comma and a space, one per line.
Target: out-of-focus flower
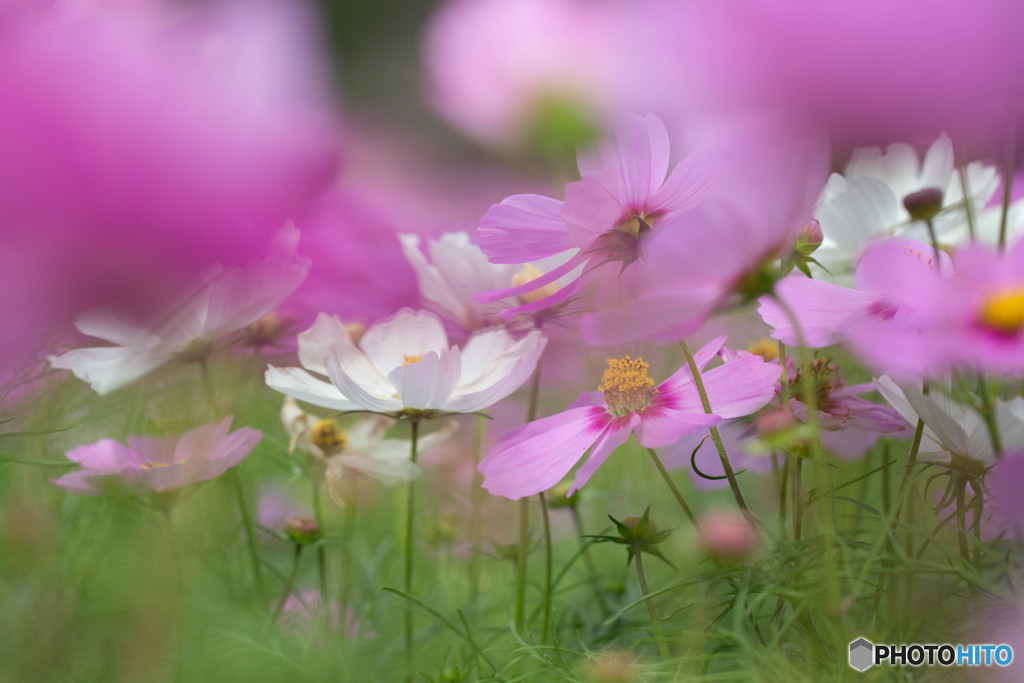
304, 609
157, 465
142, 143
359, 446
228, 300
505, 72
403, 365
954, 435
844, 67
866, 203
623, 196
458, 271
726, 535
535, 456
1005, 483
719, 252
911, 318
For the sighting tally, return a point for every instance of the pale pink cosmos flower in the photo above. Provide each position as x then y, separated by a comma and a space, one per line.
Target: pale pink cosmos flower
143, 141
404, 365
496, 67
227, 300
622, 197
912, 318
535, 456
157, 465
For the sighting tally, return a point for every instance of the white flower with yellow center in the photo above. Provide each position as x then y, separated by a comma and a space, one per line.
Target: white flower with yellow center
404, 366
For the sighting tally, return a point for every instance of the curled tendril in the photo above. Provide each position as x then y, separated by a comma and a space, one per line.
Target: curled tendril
702, 475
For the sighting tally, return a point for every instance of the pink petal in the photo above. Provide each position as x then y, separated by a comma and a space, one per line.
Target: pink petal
638, 154
523, 228
613, 436
533, 285
689, 184
682, 376
663, 424
821, 308
590, 210
534, 457
741, 387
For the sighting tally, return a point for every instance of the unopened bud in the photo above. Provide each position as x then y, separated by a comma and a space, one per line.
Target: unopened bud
923, 205
810, 237
772, 422
559, 498
355, 331
302, 530
726, 535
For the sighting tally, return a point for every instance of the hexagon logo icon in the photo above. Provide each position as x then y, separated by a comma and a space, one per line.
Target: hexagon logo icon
862, 654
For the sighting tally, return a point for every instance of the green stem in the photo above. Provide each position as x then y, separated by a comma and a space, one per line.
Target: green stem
548, 563
475, 502
934, 240
658, 635
321, 556
968, 209
716, 437
179, 591
594, 577
961, 527
524, 517
349, 544
671, 485
250, 534
1008, 169
410, 527
290, 583
988, 413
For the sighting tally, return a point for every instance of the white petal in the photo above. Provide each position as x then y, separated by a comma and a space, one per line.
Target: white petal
426, 385
390, 343
300, 384
326, 337
108, 368
365, 400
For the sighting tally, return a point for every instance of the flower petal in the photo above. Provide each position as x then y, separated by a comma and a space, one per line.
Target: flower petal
535, 456
299, 384
392, 342
427, 383
613, 436
822, 309
523, 228
362, 399
109, 368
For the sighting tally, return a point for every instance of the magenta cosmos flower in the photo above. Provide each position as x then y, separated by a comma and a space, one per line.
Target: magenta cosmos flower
142, 142
534, 457
158, 465
912, 318
622, 197
404, 365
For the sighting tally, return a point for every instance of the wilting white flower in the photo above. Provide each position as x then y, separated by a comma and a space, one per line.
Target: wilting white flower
228, 300
403, 365
358, 446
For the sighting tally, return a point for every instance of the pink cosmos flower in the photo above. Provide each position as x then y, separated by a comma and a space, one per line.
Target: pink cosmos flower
496, 68
405, 364
767, 174
912, 318
534, 457
157, 465
870, 72
623, 197
142, 143
228, 300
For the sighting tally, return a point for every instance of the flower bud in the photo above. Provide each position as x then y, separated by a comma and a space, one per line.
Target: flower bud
559, 498
772, 422
726, 535
923, 205
810, 237
302, 530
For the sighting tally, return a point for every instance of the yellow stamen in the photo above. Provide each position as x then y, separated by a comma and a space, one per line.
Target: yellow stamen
626, 386
150, 464
329, 437
409, 360
1004, 310
529, 273
764, 347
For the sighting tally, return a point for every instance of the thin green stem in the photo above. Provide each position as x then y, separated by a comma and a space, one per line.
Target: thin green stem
250, 533
968, 209
548, 565
594, 577
1008, 169
961, 527
988, 413
179, 592
716, 438
321, 553
934, 239
658, 635
410, 527
476, 529
348, 542
290, 583
524, 517
672, 487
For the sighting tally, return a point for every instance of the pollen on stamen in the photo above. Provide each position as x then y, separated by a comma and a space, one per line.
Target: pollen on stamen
150, 465
410, 359
529, 273
329, 437
626, 386
1004, 310
764, 347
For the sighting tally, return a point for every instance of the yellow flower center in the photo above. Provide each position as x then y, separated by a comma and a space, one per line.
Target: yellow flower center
150, 464
529, 273
409, 360
329, 437
764, 347
1004, 310
626, 386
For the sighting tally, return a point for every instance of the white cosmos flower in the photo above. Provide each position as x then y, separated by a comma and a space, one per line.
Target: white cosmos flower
865, 204
954, 434
405, 364
358, 446
227, 300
